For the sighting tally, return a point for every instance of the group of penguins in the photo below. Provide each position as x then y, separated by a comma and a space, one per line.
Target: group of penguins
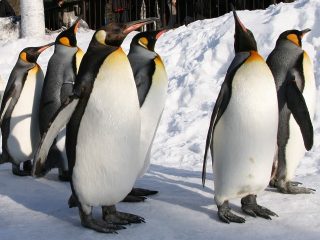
95, 115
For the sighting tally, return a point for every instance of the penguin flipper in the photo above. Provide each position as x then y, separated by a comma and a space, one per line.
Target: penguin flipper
299, 109
221, 104
219, 108
59, 121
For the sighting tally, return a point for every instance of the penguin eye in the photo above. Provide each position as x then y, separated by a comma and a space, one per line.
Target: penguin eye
143, 42
65, 41
23, 56
293, 38
101, 36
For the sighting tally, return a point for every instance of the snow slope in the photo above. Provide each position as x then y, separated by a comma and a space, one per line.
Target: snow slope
196, 57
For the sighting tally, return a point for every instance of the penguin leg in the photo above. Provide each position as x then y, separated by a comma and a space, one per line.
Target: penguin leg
292, 187
17, 171
88, 221
250, 207
111, 215
138, 195
225, 214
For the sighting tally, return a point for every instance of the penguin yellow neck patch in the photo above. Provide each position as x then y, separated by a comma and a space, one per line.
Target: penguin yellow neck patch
23, 56
254, 56
143, 42
101, 36
293, 38
65, 41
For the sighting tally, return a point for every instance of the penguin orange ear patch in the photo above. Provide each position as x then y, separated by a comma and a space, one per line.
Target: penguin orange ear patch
23, 56
143, 42
65, 41
101, 36
293, 38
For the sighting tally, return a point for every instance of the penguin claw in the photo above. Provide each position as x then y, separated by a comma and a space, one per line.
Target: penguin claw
293, 188
225, 214
141, 192
132, 198
110, 215
101, 226
250, 207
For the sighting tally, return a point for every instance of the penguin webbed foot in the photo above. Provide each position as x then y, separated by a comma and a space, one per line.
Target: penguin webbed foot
138, 195
111, 215
98, 225
250, 207
294, 188
225, 214
27, 168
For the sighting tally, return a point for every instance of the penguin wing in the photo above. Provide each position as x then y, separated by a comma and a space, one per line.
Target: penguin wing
221, 105
9, 100
59, 121
299, 109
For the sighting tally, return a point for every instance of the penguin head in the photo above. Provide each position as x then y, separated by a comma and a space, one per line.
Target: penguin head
148, 39
113, 34
68, 36
294, 36
31, 54
244, 40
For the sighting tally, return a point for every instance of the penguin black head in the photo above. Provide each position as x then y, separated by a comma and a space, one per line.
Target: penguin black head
68, 37
243, 38
113, 34
31, 54
147, 39
294, 36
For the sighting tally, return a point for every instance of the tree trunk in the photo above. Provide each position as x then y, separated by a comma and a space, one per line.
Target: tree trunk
32, 18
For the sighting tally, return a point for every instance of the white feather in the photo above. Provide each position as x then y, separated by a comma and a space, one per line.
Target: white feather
109, 135
24, 124
295, 149
245, 137
151, 112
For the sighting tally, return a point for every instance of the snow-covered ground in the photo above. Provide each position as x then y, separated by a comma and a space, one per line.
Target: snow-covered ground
196, 58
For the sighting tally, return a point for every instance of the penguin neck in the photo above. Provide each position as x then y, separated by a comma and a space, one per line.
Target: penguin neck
142, 52
24, 65
287, 44
62, 49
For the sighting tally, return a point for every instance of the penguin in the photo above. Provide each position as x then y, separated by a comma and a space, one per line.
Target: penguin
242, 134
58, 84
19, 111
294, 78
152, 82
103, 130
2, 87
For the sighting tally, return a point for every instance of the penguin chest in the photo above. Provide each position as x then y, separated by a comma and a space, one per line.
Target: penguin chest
24, 125
108, 137
245, 137
295, 149
151, 112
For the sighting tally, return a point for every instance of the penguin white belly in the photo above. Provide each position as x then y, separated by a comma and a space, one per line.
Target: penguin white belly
151, 112
108, 140
295, 149
245, 137
61, 145
24, 126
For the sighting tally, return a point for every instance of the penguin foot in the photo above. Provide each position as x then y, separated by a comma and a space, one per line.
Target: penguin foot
98, 225
131, 198
17, 171
250, 207
225, 214
141, 192
138, 195
64, 175
111, 215
293, 188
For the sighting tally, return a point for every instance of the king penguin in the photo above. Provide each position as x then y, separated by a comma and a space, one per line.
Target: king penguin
19, 111
152, 82
242, 134
103, 130
294, 77
58, 84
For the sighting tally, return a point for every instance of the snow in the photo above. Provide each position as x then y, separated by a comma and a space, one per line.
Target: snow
196, 58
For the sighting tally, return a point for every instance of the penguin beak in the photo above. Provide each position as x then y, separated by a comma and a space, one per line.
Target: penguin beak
75, 25
303, 32
41, 49
239, 24
159, 34
131, 26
